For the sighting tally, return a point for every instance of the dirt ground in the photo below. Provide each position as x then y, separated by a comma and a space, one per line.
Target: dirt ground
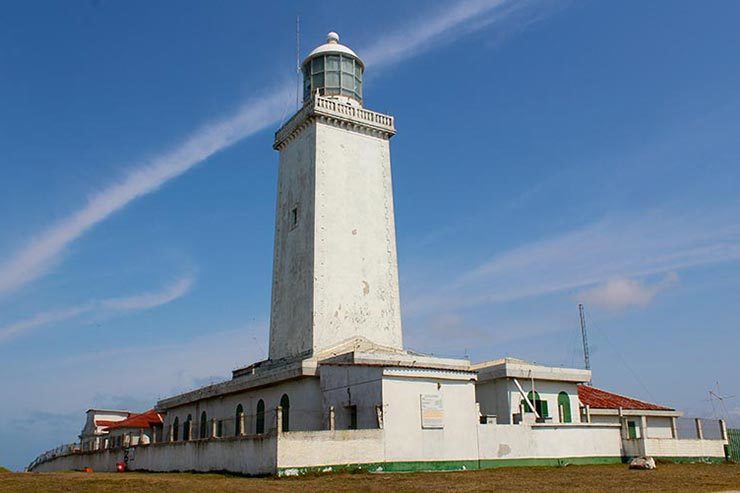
667, 477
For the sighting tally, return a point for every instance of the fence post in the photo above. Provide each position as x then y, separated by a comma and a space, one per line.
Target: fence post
699, 431
332, 418
723, 429
279, 419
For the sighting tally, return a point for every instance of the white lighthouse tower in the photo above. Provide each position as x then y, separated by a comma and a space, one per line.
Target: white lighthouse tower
335, 272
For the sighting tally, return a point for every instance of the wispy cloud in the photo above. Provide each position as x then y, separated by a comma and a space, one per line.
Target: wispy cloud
621, 293
39, 254
150, 300
612, 248
144, 301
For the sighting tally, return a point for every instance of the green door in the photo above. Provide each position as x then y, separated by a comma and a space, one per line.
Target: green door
632, 429
564, 405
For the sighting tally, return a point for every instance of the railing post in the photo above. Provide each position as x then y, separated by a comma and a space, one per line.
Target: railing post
332, 419
588, 413
699, 431
242, 428
674, 427
279, 419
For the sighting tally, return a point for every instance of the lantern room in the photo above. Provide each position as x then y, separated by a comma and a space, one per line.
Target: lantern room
333, 69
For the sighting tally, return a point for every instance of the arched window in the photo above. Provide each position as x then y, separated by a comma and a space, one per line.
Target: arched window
203, 425
176, 429
564, 407
238, 427
539, 405
285, 405
186, 428
260, 421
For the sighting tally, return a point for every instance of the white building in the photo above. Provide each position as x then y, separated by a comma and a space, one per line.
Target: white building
338, 389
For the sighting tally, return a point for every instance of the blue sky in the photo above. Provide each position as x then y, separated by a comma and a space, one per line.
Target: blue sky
548, 153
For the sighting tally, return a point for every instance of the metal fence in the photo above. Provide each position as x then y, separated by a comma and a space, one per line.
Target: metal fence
733, 445
687, 428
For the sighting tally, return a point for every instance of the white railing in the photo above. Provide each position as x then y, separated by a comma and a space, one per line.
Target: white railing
353, 112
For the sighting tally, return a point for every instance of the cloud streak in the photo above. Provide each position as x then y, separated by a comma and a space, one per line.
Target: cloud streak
171, 292
41, 253
612, 248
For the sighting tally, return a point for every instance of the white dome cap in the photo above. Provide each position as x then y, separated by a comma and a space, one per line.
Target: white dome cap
332, 45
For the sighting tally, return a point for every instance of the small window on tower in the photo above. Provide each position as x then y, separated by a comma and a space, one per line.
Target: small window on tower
294, 217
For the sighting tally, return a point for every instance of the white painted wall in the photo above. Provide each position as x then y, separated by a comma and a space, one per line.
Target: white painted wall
345, 385
659, 427
324, 448
405, 438
502, 398
555, 441
668, 447
253, 455
335, 273
306, 412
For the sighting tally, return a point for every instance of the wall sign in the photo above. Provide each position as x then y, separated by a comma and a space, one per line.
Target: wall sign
432, 412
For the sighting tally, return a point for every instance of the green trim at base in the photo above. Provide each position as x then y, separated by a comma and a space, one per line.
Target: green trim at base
690, 460
451, 465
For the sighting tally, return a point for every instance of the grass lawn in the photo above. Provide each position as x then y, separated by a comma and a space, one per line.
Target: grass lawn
667, 477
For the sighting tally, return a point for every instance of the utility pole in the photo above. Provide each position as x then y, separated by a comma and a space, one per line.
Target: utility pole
584, 336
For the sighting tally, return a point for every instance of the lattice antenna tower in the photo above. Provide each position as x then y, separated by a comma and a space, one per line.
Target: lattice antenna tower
584, 336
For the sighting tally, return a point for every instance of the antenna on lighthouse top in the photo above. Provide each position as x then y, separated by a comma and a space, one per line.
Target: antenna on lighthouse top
586, 356
298, 60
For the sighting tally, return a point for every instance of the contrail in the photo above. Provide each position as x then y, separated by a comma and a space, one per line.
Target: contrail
36, 257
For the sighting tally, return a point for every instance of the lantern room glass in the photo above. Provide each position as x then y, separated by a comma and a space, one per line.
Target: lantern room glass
333, 75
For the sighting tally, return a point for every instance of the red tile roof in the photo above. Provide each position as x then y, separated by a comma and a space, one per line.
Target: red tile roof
104, 422
143, 420
601, 399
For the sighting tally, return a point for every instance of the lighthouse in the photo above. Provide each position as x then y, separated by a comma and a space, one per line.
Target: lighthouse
335, 269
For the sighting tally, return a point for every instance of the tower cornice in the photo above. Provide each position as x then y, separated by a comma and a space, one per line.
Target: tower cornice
338, 114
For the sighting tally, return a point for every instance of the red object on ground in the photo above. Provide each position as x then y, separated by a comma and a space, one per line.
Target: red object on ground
120, 467
87, 469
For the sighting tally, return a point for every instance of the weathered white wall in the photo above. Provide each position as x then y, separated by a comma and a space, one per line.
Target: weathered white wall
405, 438
548, 391
306, 412
324, 448
659, 427
335, 272
493, 397
554, 441
291, 319
356, 268
345, 385
252, 455
668, 447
